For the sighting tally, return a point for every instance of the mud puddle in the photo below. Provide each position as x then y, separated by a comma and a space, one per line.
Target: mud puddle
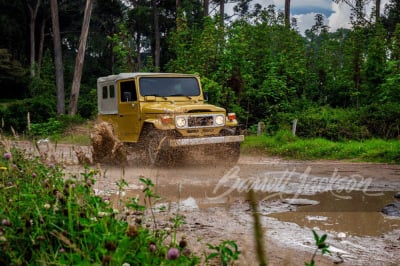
355, 213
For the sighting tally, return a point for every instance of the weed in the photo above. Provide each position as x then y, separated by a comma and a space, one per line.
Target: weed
227, 252
320, 245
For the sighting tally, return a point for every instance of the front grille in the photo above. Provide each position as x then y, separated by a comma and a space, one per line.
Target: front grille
200, 121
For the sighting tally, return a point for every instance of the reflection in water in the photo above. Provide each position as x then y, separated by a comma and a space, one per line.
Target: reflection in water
358, 215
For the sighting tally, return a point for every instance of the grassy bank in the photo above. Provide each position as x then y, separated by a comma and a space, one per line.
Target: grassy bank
285, 145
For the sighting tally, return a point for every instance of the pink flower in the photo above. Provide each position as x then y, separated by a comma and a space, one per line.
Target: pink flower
152, 247
5, 222
7, 155
173, 254
34, 174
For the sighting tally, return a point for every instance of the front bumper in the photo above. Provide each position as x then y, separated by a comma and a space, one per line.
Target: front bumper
206, 140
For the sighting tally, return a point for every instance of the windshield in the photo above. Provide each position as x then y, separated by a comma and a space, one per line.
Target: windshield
169, 86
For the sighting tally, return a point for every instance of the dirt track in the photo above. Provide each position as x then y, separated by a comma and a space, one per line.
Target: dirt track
340, 199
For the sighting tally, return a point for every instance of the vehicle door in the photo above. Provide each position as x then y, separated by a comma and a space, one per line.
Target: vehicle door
128, 111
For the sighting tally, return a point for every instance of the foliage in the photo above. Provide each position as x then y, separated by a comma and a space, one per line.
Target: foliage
51, 127
254, 65
48, 218
227, 252
54, 126
39, 109
333, 124
284, 144
321, 245
381, 120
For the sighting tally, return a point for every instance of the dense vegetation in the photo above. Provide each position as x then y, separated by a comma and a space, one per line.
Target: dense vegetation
339, 85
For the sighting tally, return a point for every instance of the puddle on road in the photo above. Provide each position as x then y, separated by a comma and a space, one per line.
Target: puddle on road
355, 213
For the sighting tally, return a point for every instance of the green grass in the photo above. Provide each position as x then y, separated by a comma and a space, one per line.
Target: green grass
285, 145
73, 139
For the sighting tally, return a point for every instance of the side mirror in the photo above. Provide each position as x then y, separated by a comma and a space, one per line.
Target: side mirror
205, 96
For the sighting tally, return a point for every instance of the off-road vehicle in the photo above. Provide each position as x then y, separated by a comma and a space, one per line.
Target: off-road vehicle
164, 113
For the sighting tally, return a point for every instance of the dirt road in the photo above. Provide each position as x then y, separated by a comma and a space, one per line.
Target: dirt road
336, 198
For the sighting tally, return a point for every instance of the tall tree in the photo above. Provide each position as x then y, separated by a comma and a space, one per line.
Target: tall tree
157, 35
287, 13
222, 12
391, 16
377, 11
80, 57
206, 7
33, 11
58, 58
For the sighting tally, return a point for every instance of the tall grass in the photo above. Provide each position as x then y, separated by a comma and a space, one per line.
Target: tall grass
286, 145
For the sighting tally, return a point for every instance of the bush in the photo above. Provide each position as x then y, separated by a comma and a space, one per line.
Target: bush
55, 126
382, 120
40, 109
332, 124
87, 105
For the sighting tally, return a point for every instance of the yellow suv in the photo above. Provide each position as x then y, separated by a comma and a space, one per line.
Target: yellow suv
165, 113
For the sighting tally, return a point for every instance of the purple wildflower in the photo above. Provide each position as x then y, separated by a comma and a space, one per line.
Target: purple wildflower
152, 247
5, 222
7, 155
173, 254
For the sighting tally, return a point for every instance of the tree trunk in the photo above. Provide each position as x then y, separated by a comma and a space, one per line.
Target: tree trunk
139, 60
222, 12
377, 11
76, 82
287, 13
206, 7
32, 23
41, 45
58, 58
156, 35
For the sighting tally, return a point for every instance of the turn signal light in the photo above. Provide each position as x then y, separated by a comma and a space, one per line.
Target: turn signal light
166, 119
231, 116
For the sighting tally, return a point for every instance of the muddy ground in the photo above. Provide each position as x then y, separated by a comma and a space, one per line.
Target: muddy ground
340, 199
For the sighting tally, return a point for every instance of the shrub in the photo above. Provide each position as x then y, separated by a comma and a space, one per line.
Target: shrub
382, 120
40, 110
332, 124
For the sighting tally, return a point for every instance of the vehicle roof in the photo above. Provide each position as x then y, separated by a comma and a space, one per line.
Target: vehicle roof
141, 74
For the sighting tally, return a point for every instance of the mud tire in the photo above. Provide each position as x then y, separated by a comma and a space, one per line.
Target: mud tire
153, 147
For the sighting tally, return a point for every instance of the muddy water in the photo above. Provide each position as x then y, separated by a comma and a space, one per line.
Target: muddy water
216, 197
353, 213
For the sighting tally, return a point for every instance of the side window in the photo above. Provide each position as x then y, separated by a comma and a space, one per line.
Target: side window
112, 91
128, 91
105, 94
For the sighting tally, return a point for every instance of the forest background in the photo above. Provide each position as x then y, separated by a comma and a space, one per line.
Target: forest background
341, 85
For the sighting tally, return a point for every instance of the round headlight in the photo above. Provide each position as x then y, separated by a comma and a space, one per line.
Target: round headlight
180, 122
219, 120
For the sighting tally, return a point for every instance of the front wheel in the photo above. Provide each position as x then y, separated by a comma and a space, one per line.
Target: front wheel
154, 147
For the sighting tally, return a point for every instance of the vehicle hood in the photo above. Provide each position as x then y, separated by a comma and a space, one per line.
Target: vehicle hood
168, 108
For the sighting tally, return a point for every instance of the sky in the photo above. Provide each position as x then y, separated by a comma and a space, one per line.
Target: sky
335, 15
